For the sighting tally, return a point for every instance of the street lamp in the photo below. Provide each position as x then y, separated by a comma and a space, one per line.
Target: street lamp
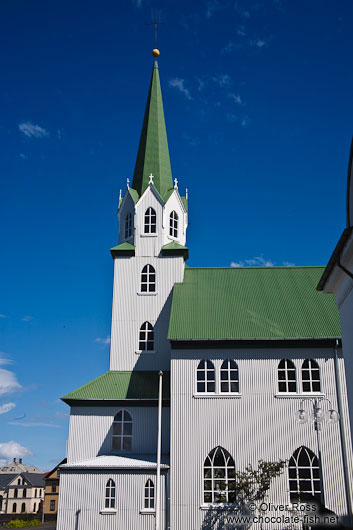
317, 415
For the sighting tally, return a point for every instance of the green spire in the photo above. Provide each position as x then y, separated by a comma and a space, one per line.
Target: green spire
153, 153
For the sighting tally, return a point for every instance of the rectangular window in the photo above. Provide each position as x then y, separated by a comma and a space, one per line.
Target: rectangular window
52, 506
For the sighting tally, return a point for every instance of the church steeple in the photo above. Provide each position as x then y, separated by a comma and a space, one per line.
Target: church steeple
153, 152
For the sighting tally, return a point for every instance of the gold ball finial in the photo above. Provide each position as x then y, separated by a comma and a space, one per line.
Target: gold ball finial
156, 53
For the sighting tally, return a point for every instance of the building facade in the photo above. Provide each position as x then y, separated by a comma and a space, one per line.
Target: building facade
241, 350
21, 493
51, 490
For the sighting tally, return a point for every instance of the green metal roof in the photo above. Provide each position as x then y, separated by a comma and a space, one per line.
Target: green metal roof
252, 303
134, 195
153, 152
114, 385
174, 248
124, 249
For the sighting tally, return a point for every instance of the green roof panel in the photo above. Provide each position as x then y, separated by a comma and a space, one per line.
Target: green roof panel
252, 303
116, 385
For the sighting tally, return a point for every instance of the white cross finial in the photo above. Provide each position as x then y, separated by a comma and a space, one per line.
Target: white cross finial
176, 183
128, 183
151, 179
187, 194
119, 195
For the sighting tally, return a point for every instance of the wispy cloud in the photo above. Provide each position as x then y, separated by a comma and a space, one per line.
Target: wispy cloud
104, 341
258, 261
33, 424
241, 31
236, 98
31, 130
27, 318
259, 43
23, 156
243, 12
3, 316
191, 140
234, 118
6, 407
8, 379
178, 83
288, 264
61, 415
222, 80
213, 6
10, 450
137, 3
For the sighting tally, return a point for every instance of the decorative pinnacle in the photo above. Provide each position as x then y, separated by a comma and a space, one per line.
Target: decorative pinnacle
119, 195
156, 53
128, 183
151, 179
175, 183
187, 194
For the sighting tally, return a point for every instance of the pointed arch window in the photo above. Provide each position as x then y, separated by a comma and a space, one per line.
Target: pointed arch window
150, 221
219, 477
206, 376
229, 376
149, 495
286, 376
311, 376
146, 338
173, 224
304, 475
110, 494
122, 431
148, 279
128, 225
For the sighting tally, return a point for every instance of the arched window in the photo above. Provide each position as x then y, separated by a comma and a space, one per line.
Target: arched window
14, 507
229, 376
15, 493
122, 431
150, 221
286, 376
1, 498
206, 377
128, 225
34, 508
24, 495
148, 279
311, 376
173, 224
219, 477
23, 507
304, 475
146, 337
149, 494
110, 494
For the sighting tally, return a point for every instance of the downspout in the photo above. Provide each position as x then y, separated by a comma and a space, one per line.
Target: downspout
159, 446
343, 438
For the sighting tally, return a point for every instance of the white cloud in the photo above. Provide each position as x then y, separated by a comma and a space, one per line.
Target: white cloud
288, 264
236, 98
222, 80
104, 341
32, 131
23, 156
10, 450
241, 31
258, 261
179, 84
27, 318
33, 424
60, 414
6, 407
259, 43
8, 382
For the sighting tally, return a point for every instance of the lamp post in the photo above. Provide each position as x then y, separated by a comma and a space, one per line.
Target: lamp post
318, 415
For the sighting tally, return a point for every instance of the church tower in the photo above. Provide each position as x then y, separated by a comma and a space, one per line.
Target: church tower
150, 255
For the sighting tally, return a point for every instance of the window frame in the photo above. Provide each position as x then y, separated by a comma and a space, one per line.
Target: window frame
229, 381
314, 480
149, 496
128, 226
146, 338
286, 370
148, 280
214, 477
173, 224
205, 366
310, 380
150, 222
110, 495
125, 421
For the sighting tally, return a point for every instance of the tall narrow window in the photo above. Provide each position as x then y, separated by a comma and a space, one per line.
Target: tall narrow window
128, 225
149, 494
206, 377
34, 508
14, 507
15, 493
229, 376
148, 279
122, 431
35, 493
24, 495
219, 477
286, 376
146, 338
311, 376
150, 221
110, 494
1, 498
304, 475
23, 508
173, 224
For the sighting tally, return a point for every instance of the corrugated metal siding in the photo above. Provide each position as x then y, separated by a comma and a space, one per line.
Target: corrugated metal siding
81, 498
269, 302
256, 426
131, 310
90, 432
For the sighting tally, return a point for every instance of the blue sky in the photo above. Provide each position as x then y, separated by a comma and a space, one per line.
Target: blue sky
259, 111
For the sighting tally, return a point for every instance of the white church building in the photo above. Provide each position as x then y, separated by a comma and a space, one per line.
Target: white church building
242, 350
